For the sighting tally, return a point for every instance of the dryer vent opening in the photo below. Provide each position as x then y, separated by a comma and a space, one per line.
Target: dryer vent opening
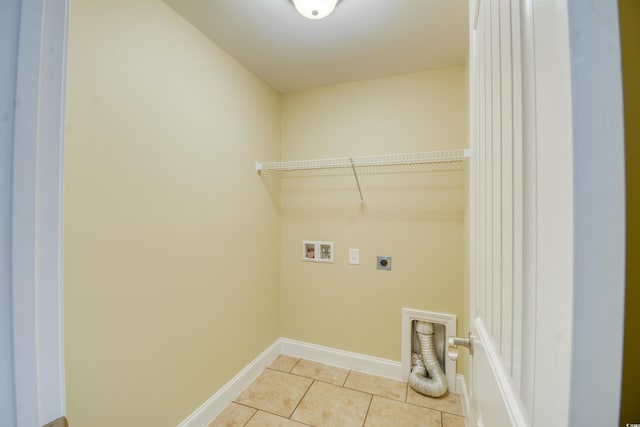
427, 372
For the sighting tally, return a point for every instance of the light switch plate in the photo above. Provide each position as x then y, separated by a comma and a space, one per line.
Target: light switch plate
354, 256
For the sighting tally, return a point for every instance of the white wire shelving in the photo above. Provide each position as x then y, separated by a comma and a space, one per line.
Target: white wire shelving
381, 160
365, 161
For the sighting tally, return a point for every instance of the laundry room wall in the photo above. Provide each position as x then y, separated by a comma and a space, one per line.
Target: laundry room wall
171, 240
413, 214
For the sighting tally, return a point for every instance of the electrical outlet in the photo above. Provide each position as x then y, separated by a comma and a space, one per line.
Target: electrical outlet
384, 262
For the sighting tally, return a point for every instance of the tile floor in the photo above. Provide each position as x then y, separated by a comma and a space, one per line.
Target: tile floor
297, 392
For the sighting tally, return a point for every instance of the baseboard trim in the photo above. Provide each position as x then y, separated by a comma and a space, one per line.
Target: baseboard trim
223, 397
461, 388
341, 358
330, 356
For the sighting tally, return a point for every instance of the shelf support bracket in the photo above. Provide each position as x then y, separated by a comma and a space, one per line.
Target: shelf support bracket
355, 174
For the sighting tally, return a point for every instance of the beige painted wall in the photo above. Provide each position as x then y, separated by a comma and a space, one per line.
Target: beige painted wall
171, 239
413, 215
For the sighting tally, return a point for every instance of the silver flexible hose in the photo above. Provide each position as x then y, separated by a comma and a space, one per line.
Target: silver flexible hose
436, 385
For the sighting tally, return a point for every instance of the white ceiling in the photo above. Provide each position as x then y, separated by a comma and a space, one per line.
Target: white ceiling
361, 39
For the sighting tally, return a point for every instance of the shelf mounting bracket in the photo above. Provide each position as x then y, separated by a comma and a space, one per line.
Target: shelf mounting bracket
355, 174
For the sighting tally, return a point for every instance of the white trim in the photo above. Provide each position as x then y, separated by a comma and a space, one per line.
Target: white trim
9, 33
599, 212
37, 212
554, 210
341, 358
450, 323
50, 210
223, 397
512, 403
461, 387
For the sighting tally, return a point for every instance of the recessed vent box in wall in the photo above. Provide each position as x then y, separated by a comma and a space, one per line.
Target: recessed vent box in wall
444, 325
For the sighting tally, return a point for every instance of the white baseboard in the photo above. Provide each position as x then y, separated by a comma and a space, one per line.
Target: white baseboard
461, 389
223, 397
340, 358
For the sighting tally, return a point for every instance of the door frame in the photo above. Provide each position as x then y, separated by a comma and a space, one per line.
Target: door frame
599, 199
36, 212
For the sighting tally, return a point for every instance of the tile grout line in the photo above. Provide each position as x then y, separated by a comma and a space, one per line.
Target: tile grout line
251, 417
300, 401
434, 409
375, 394
347, 378
268, 412
274, 414
308, 378
290, 372
242, 404
364, 421
294, 365
451, 413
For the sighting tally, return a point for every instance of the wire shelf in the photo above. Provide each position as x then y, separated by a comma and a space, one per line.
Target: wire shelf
442, 160
366, 161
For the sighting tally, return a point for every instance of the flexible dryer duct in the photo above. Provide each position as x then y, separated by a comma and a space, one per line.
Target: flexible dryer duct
436, 385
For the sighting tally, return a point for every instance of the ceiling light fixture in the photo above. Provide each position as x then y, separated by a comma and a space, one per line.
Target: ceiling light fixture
315, 9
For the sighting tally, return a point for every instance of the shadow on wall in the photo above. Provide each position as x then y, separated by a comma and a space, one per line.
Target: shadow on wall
415, 195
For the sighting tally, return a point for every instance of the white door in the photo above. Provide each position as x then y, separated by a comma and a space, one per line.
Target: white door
497, 200
527, 257
522, 214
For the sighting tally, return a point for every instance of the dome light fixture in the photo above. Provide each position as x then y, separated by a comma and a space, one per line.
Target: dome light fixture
315, 9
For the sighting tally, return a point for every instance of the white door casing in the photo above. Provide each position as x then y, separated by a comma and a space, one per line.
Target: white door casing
35, 208
599, 213
9, 24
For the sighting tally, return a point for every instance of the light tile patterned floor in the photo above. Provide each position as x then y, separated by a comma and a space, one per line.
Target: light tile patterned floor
296, 392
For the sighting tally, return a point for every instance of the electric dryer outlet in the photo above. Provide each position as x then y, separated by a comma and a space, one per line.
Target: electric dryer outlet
384, 262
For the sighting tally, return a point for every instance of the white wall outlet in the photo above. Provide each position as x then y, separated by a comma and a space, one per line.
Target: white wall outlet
354, 256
